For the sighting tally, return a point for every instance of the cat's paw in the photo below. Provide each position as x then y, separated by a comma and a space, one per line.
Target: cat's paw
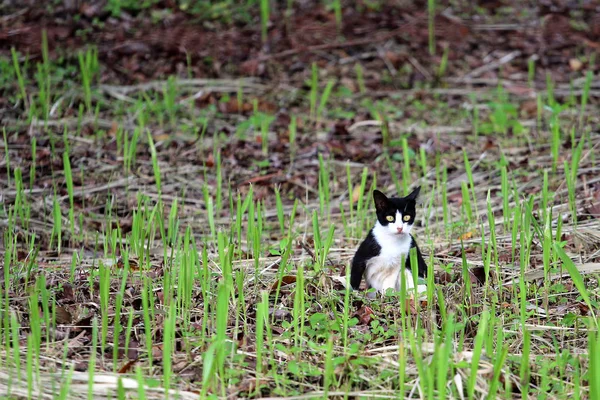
421, 292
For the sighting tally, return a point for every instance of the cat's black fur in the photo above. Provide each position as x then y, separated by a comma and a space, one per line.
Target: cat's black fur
370, 247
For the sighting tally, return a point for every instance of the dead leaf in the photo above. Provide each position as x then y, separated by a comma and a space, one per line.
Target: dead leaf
285, 280
411, 307
467, 235
248, 386
456, 198
279, 314
90, 10
395, 58
529, 108
76, 342
210, 161
157, 352
233, 106
128, 366
180, 365
68, 293
133, 351
277, 330
443, 278
252, 67
594, 209
356, 194
583, 308
575, 64
113, 129
585, 268
489, 144
477, 276
520, 90
339, 282
63, 316
84, 324
364, 315
505, 257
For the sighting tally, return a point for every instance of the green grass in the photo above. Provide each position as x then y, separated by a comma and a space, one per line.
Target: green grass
212, 264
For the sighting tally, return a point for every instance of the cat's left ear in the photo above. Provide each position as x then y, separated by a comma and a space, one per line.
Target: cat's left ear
414, 194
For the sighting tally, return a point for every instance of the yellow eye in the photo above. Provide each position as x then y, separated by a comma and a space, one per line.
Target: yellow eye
407, 218
390, 218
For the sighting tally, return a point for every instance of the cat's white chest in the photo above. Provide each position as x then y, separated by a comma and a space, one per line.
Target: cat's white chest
383, 271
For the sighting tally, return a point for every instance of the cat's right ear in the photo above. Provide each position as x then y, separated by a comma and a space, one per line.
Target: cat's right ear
381, 201
414, 194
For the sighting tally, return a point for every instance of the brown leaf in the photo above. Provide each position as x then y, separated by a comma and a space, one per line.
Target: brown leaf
411, 307
489, 144
575, 64
505, 257
248, 386
233, 106
477, 276
84, 324
286, 280
529, 108
583, 308
133, 264
396, 58
467, 235
133, 350
157, 352
356, 194
520, 90
210, 161
90, 10
128, 366
68, 293
277, 330
280, 314
81, 366
63, 316
594, 209
364, 315
443, 278
76, 343
456, 198
252, 67
113, 129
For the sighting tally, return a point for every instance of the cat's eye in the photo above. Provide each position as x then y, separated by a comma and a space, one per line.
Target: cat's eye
390, 218
407, 218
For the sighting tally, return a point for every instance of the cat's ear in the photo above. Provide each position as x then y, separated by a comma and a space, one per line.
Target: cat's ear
381, 201
414, 194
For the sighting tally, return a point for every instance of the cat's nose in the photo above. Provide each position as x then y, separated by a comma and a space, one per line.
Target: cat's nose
399, 229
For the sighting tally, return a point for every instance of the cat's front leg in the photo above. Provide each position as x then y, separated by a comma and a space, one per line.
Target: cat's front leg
410, 282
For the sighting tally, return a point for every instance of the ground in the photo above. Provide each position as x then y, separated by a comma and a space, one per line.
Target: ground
184, 184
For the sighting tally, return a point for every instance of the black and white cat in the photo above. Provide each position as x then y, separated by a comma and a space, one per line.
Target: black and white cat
379, 257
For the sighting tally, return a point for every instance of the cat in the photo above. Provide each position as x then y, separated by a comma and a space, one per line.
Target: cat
379, 256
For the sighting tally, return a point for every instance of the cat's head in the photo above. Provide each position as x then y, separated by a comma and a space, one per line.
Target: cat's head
396, 214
